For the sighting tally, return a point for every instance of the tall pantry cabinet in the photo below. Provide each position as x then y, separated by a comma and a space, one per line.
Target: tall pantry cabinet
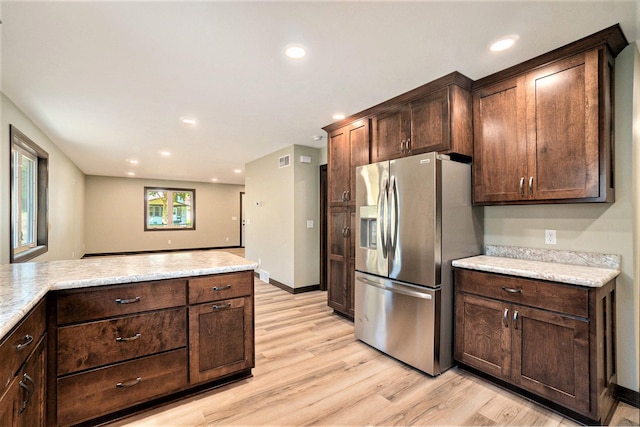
347, 148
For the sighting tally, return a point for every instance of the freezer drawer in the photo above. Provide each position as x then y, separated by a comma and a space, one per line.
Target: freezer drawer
400, 320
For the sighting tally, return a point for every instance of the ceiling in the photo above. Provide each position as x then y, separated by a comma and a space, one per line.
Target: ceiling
109, 81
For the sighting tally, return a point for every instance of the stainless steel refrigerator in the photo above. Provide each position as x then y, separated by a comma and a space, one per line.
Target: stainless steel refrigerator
413, 217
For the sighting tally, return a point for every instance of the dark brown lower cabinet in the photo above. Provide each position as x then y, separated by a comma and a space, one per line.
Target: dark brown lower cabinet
125, 346
218, 340
553, 340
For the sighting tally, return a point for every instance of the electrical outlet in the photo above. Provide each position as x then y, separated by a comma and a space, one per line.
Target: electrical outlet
550, 237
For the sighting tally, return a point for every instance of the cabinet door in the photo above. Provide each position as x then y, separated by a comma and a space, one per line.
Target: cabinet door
9, 401
390, 132
499, 131
562, 129
358, 135
482, 334
338, 152
220, 339
30, 411
551, 356
337, 287
430, 130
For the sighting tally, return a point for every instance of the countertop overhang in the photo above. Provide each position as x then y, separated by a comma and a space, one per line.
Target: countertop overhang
23, 285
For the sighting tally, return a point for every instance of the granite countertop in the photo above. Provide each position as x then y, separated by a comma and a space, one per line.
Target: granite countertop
23, 285
575, 268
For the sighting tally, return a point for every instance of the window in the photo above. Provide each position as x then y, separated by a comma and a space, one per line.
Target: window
29, 198
159, 202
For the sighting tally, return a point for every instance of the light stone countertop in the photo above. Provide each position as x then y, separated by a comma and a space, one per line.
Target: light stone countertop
23, 285
575, 268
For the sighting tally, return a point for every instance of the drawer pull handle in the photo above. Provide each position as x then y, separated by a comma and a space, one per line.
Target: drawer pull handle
220, 307
127, 301
220, 288
28, 339
131, 383
511, 290
133, 338
515, 320
505, 315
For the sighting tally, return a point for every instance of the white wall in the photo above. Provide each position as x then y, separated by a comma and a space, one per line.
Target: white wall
276, 233
66, 190
604, 228
114, 213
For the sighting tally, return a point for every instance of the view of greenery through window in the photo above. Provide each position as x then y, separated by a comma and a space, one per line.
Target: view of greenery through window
167, 208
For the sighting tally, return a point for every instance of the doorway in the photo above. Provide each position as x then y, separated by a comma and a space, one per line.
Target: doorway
323, 227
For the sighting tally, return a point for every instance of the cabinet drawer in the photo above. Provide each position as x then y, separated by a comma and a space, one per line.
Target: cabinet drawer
92, 394
89, 345
98, 303
19, 344
534, 293
220, 286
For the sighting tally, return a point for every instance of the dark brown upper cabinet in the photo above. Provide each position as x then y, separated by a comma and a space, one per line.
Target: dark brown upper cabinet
433, 117
543, 129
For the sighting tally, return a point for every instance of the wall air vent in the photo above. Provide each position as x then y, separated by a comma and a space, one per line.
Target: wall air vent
284, 161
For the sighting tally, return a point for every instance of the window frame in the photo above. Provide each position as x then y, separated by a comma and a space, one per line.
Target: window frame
20, 142
170, 226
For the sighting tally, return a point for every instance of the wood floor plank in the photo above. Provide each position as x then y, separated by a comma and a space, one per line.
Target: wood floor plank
310, 370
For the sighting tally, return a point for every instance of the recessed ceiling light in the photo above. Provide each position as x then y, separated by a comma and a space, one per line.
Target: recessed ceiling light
131, 173
237, 170
188, 120
214, 179
338, 116
165, 153
504, 43
295, 51
132, 162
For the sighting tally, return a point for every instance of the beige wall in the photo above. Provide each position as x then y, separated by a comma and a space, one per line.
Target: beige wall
114, 213
604, 228
66, 191
277, 234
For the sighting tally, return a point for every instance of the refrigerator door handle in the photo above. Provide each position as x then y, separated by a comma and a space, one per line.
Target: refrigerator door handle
393, 215
382, 202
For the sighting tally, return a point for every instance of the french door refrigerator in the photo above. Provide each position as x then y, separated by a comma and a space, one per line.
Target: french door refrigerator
413, 217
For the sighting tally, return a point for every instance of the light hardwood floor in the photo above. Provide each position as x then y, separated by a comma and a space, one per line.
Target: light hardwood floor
310, 370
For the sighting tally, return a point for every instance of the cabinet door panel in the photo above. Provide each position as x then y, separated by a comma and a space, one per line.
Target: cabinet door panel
551, 356
430, 123
482, 336
389, 131
31, 404
500, 142
338, 166
359, 152
220, 339
562, 111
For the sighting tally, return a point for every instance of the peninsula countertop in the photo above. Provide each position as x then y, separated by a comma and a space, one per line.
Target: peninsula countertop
575, 268
23, 285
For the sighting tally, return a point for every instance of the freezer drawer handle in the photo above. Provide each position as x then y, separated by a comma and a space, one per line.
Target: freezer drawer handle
396, 289
511, 290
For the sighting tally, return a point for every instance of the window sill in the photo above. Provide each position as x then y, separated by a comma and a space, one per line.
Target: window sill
30, 254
